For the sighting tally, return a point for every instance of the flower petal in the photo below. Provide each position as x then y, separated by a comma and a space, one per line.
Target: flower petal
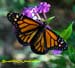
56, 52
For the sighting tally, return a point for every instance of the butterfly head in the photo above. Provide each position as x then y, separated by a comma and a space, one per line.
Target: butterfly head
13, 17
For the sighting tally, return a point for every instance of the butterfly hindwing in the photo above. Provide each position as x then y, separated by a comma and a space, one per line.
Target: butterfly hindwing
39, 45
26, 37
48, 40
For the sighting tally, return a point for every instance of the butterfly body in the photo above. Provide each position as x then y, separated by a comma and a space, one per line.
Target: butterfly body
37, 34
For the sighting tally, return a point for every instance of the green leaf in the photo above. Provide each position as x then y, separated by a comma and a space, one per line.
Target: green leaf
67, 32
49, 19
71, 53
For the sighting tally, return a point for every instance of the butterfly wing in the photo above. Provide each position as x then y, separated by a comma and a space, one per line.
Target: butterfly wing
54, 41
25, 27
27, 30
48, 40
39, 46
25, 38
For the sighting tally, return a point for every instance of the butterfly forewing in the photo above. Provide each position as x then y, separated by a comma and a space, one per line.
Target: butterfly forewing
27, 28
52, 41
25, 24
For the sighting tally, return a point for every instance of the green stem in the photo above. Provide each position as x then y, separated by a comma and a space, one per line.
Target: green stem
45, 16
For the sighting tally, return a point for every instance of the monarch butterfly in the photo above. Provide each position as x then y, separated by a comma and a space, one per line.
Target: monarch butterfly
38, 35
